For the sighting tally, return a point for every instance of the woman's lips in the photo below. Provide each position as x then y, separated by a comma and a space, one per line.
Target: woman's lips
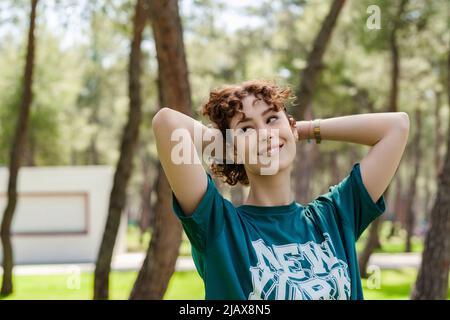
272, 150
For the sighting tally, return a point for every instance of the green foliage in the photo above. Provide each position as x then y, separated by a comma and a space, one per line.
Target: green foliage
8, 120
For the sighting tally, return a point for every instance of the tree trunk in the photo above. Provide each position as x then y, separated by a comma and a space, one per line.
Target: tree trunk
146, 218
427, 200
411, 210
315, 57
174, 91
162, 252
335, 173
29, 152
439, 135
397, 207
305, 156
16, 154
370, 246
373, 239
93, 155
395, 58
432, 279
125, 163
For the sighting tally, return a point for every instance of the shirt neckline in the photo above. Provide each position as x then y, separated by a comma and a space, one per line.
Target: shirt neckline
269, 210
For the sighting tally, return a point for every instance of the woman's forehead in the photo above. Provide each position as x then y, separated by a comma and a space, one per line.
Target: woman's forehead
251, 101
251, 107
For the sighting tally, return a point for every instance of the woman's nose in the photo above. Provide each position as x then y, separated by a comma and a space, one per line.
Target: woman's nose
267, 136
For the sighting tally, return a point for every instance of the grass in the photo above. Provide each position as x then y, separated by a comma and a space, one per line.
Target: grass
395, 244
395, 284
182, 285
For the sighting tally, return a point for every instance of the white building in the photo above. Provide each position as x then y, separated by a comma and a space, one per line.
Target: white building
61, 213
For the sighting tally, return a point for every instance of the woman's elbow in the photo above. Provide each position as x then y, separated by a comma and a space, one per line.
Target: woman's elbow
404, 122
161, 117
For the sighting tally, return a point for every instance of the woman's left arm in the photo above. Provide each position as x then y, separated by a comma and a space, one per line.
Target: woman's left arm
387, 134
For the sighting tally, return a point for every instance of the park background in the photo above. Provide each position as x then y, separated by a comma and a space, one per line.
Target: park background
80, 82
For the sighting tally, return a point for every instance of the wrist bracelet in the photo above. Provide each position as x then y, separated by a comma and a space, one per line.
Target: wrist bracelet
316, 131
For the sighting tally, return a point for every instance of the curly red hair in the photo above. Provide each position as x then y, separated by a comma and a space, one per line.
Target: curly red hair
225, 102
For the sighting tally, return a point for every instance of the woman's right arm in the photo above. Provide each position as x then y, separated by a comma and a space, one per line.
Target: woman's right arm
188, 181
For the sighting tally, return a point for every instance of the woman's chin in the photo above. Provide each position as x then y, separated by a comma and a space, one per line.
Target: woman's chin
270, 167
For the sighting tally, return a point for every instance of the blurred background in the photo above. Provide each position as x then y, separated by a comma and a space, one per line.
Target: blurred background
85, 206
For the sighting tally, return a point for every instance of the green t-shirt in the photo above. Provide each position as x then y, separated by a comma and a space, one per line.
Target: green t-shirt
281, 252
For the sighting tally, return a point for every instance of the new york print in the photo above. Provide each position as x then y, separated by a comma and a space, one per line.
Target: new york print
298, 271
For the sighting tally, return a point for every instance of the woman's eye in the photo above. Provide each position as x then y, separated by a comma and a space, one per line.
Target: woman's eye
272, 117
245, 129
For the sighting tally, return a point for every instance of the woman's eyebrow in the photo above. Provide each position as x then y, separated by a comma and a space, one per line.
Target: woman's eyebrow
245, 119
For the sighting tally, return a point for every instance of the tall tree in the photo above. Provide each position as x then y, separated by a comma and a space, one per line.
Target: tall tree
440, 139
93, 94
399, 204
174, 92
146, 217
315, 57
124, 166
303, 171
432, 279
410, 210
16, 155
373, 239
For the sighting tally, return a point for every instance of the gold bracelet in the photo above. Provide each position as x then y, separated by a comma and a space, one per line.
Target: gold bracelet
316, 130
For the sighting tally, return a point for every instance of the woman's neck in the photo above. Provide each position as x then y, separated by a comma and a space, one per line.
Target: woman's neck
270, 190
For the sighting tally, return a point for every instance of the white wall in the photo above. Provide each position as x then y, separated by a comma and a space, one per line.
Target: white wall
61, 213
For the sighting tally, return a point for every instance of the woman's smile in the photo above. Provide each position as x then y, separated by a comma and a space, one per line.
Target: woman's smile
272, 150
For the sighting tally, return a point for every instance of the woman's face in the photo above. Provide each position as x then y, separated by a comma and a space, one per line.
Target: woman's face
264, 140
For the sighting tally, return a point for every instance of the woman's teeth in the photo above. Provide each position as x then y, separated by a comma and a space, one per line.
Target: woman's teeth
274, 150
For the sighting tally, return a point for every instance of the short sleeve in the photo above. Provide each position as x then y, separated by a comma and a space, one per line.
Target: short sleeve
206, 221
353, 203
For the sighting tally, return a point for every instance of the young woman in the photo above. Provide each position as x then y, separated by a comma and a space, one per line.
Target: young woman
273, 247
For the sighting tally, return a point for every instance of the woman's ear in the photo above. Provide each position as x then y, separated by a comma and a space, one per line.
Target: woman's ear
295, 131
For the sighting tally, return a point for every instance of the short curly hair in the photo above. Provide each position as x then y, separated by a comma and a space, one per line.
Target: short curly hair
225, 102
